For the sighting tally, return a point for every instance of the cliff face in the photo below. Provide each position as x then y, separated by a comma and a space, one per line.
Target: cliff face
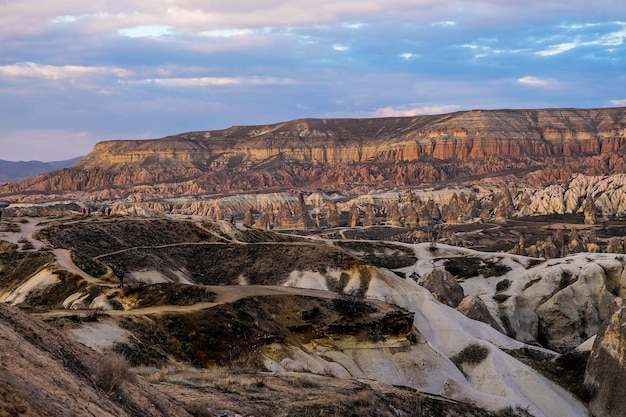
463, 135
605, 369
347, 152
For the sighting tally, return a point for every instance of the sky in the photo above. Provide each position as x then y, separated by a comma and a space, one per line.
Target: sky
76, 72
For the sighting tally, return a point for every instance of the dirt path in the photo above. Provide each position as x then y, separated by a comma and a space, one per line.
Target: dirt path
64, 259
27, 232
169, 245
224, 294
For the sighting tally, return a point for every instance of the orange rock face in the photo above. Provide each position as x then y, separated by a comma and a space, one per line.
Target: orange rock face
536, 146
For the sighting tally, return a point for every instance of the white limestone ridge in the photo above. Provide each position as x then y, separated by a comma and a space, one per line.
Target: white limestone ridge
497, 381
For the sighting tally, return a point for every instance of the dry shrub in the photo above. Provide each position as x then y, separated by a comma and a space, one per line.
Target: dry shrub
162, 373
200, 409
472, 354
365, 398
302, 381
111, 371
228, 384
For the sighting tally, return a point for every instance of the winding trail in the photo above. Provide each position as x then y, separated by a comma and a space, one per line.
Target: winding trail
225, 294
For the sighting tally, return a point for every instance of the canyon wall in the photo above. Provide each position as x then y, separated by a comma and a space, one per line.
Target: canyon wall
537, 147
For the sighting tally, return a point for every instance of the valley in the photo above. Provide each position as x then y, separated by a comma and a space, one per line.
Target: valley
468, 264
199, 303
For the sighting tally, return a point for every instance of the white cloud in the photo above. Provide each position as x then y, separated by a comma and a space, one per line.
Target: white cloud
408, 55
614, 38
227, 33
52, 72
446, 23
353, 25
148, 31
578, 26
535, 81
611, 39
194, 16
415, 111
213, 81
558, 49
620, 103
65, 19
340, 47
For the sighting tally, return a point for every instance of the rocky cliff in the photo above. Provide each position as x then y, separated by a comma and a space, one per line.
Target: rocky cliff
537, 146
605, 370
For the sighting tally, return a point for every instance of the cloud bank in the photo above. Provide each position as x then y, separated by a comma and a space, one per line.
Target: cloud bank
136, 68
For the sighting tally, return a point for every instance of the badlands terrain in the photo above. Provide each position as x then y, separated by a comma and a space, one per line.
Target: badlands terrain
469, 264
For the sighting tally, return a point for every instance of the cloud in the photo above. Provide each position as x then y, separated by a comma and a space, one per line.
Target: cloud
179, 65
193, 16
598, 37
447, 23
415, 111
618, 103
213, 81
535, 82
52, 72
227, 33
558, 49
148, 31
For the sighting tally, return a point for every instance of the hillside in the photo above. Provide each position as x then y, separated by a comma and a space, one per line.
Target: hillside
207, 309
349, 154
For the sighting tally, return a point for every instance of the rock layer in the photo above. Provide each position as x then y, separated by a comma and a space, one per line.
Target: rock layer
539, 146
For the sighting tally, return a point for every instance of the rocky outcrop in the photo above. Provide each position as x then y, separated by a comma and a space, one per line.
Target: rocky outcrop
562, 305
475, 308
540, 147
604, 377
443, 286
591, 196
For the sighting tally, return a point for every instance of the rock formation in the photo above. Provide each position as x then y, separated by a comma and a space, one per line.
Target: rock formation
590, 211
560, 305
443, 286
542, 147
604, 377
354, 215
474, 307
369, 216
332, 215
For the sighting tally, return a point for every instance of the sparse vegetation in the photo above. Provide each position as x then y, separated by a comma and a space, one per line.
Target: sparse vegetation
471, 355
10, 227
503, 285
383, 255
26, 244
166, 294
92, 239
18, 266
352, 303
110, 372
232, 334
91, 266
464, 267
532, 262
52, 296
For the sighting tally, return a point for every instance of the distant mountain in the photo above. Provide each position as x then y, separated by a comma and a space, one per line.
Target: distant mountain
13, 171
528, 147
